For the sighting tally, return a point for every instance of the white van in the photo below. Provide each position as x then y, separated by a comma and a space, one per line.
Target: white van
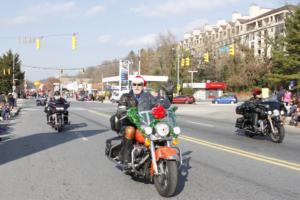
116, 95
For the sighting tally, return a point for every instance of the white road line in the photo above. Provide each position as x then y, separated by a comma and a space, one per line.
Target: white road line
77, 108
79, 135
31, 109
201, 124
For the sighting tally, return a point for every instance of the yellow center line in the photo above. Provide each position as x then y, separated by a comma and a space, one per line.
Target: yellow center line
266, 159
262, 158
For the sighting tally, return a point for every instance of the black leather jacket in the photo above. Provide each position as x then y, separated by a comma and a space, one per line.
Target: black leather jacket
145, 101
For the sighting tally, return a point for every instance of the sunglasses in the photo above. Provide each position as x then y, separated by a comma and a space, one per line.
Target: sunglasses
139, 84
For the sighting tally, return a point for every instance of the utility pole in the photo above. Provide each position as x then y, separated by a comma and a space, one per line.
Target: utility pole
102, 81
139, 70
60, 84
13, 75
178, 62
192, 76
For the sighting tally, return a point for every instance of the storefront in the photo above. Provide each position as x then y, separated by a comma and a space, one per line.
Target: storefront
209, 90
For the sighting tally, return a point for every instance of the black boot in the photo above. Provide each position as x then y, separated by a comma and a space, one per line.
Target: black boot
125, 152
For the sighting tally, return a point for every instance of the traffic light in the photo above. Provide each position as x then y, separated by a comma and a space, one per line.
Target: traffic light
38, 43
187, 61
8, 71
182, 62
4, 72
74, 42
231, 49
206, 57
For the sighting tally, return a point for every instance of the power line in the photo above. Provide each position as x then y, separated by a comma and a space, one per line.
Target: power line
41, 36
73, 68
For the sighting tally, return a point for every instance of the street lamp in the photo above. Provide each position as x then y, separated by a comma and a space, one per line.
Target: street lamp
192, 76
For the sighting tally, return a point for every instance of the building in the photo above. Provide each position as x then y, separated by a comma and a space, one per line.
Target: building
255, 31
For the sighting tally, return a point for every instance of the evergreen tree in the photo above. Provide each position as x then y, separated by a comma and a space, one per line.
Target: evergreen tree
286, 53
7, 70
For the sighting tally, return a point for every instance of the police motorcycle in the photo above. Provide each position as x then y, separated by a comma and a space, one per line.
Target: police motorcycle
269, 123
155, 156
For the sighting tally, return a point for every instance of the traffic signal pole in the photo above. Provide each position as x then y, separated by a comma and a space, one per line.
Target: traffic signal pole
178, 62
13, 75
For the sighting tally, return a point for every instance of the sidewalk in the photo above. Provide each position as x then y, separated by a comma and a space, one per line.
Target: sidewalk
5, 123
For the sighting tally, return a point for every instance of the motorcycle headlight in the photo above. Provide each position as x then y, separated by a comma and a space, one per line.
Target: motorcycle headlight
269, 112
59, 108
148, 130
162, 129
176, 130
282, 112
276, 112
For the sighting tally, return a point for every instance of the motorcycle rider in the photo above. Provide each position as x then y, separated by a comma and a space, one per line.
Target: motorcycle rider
255, 100
143, 101
54, 101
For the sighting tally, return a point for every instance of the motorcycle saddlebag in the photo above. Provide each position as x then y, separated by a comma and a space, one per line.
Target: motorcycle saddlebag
113, 146
240, 110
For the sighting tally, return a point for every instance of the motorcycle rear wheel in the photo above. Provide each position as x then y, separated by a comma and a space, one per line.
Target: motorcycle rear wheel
278, 135
166, 182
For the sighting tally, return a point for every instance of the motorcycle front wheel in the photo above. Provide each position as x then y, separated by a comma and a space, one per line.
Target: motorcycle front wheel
166, 182
278, 134
59, 124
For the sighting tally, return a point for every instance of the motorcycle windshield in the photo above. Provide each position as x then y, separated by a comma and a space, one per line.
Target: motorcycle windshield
147, 118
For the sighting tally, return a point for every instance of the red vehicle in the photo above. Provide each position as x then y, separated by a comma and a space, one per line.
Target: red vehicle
184, 99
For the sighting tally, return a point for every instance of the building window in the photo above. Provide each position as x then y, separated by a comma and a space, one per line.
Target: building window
259, 52
259, 23
259, 43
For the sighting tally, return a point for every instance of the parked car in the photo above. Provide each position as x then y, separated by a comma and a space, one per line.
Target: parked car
225, 99
184, 99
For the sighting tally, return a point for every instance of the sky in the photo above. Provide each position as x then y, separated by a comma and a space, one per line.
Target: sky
105, 29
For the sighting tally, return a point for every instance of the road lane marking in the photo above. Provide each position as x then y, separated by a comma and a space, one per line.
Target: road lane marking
270, 160
81, 136
99, 113
31, 109
201, 124
247, 154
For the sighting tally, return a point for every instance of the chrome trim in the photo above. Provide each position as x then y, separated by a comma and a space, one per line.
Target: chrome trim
152, 149
271, 124
180, 155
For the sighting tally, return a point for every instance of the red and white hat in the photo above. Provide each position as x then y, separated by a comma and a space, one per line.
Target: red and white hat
139, 79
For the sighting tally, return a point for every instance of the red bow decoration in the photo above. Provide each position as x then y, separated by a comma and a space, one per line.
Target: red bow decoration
159, 112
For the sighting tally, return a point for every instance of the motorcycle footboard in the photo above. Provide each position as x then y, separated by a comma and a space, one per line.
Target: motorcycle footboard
113, 147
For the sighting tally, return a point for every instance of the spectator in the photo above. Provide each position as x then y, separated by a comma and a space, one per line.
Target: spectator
287, 97
11, 101
5, 112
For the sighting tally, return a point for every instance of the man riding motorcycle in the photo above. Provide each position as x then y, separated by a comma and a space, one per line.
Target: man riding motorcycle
54, 101
255, 100
143, 101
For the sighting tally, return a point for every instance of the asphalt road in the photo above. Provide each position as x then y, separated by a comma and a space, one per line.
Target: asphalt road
219, 163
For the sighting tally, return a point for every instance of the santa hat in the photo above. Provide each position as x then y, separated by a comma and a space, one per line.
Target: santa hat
256, 91
139, 79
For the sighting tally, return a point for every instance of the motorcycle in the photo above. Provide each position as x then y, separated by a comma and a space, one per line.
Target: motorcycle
59, 117
41, 101
269, 121
155, 156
